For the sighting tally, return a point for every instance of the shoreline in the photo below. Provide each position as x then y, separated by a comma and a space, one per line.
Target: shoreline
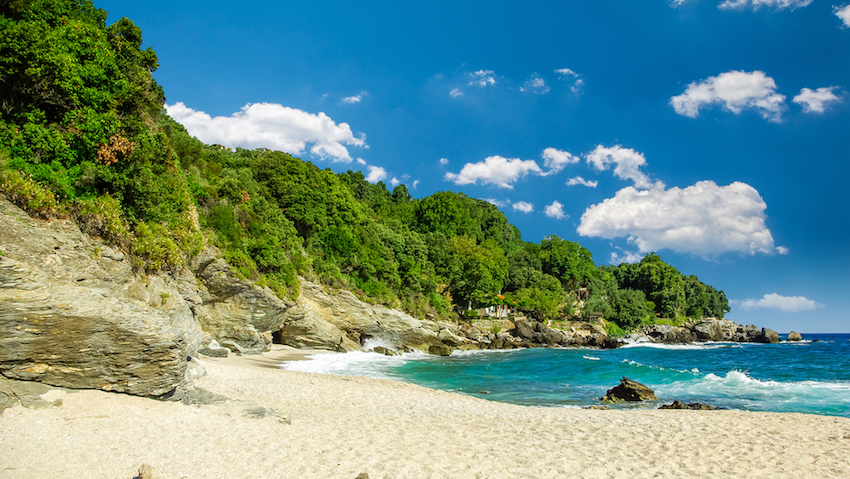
342, 426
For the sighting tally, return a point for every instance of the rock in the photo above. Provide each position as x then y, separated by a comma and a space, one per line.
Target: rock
449, 338
362, 475
312, 322
694, 405
524, 329
709, 330
440, 350
233, 309
148, 472
26, 393
597, 407
71, 318
794, 336
598, 330
768, 336
629, 391
386, 351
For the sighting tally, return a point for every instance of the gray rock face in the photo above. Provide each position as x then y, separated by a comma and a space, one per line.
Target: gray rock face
709, 330
72, 316
768, 336
341, 322
232, 310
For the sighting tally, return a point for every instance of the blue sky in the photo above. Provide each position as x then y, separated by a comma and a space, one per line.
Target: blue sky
711, 131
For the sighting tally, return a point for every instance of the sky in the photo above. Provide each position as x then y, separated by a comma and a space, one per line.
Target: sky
713, 132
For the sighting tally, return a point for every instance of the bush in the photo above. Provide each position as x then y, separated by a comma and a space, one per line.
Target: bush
29, 195
612, 329
104, 217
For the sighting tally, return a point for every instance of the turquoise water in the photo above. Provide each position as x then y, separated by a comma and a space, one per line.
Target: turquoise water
809, 376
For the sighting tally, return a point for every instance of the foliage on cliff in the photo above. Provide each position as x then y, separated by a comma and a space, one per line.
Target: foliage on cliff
82, 131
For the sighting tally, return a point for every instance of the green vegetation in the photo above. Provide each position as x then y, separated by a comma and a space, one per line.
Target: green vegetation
83, 133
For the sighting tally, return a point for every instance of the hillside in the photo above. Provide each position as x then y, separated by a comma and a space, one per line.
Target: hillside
83, 134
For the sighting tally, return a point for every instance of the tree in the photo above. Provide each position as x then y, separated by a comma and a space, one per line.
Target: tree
568, 261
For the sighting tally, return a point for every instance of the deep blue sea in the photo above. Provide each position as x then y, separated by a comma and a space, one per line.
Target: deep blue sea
808, 376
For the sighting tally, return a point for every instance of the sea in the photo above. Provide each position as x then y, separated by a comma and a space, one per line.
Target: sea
809, 376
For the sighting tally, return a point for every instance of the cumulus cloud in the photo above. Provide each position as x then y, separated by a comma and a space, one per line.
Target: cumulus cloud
415, 184
756, 4
786, 304
361, 161
782, 250
578, 180
556, 160
444, 161
274, 126
843, 13
734, 91
627, 257
523, 207
704, 219
816, 101
535, 84
376, 174
569, 75
555, 210
455, 93
483, 78
395, 182
352, 99
565, 73
626, 160
494, 170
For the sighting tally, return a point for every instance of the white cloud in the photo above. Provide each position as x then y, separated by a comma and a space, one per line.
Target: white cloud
628, 163
361, 161
455, 93
352, 99
786, 304
395, 182
578, 180
415, 184
577, 87
535, 84
782, 250
483, 78
756, 4
523, 206
735, 91
703, 219
565, 73
270, 125
555, 210
494, 170
498, 203
444, 161
556, 160
843, 13
376, 174
626, 257
816, 101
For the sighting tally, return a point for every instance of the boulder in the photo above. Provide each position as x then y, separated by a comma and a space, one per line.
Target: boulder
524, 328
768, 336
709, 330
449, 338
386, 351
794, 336
71, 317
440, 350
694, 406
629, 391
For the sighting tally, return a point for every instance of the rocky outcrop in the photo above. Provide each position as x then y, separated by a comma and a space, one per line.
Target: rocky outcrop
340, 322
73, 314
629, 391
794, 336
696, 406
233, 311
710, 329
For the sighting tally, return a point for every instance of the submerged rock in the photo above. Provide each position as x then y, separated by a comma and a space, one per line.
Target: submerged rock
694, 406
629, 391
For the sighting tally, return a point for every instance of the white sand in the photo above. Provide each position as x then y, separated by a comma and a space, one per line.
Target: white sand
343, 426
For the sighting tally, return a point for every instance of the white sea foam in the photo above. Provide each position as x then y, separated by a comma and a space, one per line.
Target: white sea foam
592, 358
353, 364
633, 344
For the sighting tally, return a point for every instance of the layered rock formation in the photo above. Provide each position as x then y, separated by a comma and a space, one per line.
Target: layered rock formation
629, 391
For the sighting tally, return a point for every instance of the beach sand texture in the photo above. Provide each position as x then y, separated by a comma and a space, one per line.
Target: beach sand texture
343, 426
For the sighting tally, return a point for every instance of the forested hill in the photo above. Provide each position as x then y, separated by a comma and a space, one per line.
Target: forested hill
83, 133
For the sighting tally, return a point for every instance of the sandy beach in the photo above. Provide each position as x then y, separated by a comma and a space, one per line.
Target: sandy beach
344, 426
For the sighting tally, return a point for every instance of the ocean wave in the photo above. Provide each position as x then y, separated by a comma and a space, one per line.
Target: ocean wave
367, 364
632, 344
592, 358
660, 368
